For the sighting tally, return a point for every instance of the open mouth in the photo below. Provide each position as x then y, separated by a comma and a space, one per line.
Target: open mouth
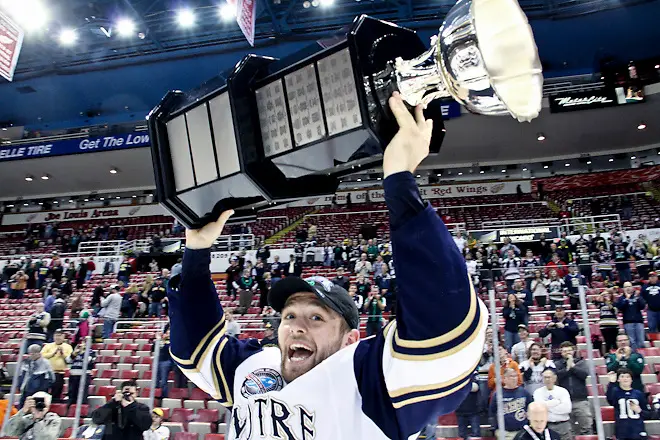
299, 352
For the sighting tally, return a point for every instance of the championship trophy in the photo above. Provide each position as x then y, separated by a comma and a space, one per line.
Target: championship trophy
283, 129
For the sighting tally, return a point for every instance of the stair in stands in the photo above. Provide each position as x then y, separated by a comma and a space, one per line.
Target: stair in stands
292, 227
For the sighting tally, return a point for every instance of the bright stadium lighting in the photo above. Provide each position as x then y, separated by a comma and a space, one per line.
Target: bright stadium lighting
114, 170
56, 202
545, 167
10, 206
45, 177
26, 204
68, 37
633, 157
359, 180
611, 160
29, 178
86, 200
588, 162
32, 15
227, 11
481, 172
540, 137
117, 197
125, 27
70, 201
326, 3
525, 169
460, 173
641, 126
101, 198
185, 18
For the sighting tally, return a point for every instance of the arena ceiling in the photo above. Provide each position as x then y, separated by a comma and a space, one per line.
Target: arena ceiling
107, 79
471, 141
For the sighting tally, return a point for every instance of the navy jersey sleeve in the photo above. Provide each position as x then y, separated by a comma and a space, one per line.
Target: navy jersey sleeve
421, 365
199, 345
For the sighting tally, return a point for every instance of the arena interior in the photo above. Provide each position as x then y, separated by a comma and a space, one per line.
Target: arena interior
579, 185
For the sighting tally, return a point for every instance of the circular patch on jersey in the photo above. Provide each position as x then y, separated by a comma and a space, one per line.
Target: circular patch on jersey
262, 381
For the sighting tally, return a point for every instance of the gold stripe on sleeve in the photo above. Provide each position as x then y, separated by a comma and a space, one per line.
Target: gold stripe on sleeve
434, 386
418, 399
200, 345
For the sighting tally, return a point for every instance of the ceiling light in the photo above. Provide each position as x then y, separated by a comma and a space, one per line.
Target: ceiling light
567, 164
641, 126
379, 178
87, 200
56, 202
545, 167
117, 197
525, 169
481, 172
419, 175
114, 170
611, 160
41, 203
30, 14
45, 177
540, 137
68, 37
306, 4
101, 198
185, 18
460, 173
355, 187
134, 196
657, 66
633, 157
588, 162
326, 3
70, 201
26, 204
440, 174
126, 27
227, 11
504, 171
29, 178
10, 206
359, 180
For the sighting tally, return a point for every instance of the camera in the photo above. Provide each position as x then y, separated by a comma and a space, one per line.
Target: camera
39, 403
127, 395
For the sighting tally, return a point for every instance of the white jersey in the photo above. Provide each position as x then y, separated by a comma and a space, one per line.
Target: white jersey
388, 386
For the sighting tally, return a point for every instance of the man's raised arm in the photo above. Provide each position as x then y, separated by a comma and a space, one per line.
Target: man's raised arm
429, 352
198, 344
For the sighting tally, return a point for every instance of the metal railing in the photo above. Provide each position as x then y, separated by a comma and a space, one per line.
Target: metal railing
499, 224
591, 224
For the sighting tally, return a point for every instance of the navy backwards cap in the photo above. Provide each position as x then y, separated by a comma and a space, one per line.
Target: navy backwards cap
330, 294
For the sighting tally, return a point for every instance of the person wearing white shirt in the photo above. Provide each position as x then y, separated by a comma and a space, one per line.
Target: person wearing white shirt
519, 349
532, 368
558, 402
157, 431
471, 268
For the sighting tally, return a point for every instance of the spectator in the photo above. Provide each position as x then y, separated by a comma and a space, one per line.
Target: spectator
537, 427
520, 349
557, 265
65, 287
585, 261
91, 267
508, 246
505, 363
631, 407
631, 305
276, 270
558, 402
604, 259
76, 361
521, 292
50, 299
467, 413
293, 268
233, 273
622, 263
338, 252
97, 295
373, 307
124, 271
515, 314
34, 421
57, 352
556, 288
625, 357
529, 263
42, 274
111, 308
539, 290
81, 274
233, 327
510, 268
341, 280
35, 375
573, 282
17, 285
564, 251
77, 305
561, 329
515, 401
246, 286
363, 286
380, 270
165, 364
533, 368
82, 327
56, 319
363, 266
372, 250
157, 431
4, 405
37, 325
270, 337
156, 295
153, 266
651, 295
572, 374
123, 417
357, 298
608, 322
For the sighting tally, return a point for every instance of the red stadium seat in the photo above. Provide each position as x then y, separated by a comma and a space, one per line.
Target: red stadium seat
208, 415
198, 394
110, 374
144, 392
181, 415
601, 369
129, 374
214, 437
84, 411
178, 393
107, 391
448, 419
68, 432
586, 437
186, 436
133, 347
654, 336
112, 347
131, 360
653, 388
608, 413
59, 409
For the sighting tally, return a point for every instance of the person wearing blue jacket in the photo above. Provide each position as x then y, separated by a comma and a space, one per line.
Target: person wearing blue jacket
631, 407
467, 412
631, 305
322, 381
561, 329
515, 400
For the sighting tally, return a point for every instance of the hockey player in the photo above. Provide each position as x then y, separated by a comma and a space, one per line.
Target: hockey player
322, 382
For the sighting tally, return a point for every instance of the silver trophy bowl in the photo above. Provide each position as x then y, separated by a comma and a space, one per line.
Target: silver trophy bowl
484, 57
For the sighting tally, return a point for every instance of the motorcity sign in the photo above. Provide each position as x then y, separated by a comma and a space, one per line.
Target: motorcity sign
73, 146
567, 102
